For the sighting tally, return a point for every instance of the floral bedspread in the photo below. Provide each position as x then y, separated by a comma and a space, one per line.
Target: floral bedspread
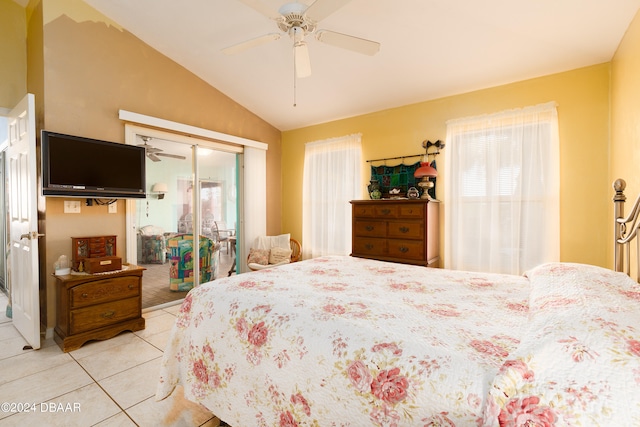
342, 341
578, 363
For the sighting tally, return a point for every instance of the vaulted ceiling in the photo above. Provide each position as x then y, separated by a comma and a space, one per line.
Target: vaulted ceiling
428, 48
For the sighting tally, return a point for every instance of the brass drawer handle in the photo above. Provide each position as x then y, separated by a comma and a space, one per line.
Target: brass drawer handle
368, 246
369, 228
404, 229
404, 249
109, 314
85, 295
131, 287
386, 211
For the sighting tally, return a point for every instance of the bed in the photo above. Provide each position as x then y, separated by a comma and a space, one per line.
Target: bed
344, 341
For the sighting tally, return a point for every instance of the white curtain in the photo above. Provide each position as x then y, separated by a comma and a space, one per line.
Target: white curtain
331, 178
502, 209
253, 207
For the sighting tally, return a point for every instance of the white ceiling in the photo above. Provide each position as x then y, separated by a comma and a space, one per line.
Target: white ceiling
429, 49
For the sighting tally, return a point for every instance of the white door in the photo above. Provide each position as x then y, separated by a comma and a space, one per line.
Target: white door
23, 275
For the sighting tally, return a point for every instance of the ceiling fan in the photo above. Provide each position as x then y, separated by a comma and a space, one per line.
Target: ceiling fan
154, 153
298, 20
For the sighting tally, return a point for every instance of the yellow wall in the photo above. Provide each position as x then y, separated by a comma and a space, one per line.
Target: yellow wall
625, 117
83, 70
583, 111
13, 43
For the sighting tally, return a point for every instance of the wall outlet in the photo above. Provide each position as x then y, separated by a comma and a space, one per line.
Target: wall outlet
71, 206
113, 207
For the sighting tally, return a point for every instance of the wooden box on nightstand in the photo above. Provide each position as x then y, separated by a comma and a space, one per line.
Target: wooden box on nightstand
97, 306
91, 247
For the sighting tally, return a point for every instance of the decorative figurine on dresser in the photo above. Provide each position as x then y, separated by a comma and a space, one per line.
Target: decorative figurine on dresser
101, 298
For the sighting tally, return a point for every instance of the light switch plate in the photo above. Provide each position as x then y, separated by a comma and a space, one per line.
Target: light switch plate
71, 206
113, 207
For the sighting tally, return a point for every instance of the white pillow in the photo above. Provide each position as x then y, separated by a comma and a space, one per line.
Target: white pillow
279, 255
268, 242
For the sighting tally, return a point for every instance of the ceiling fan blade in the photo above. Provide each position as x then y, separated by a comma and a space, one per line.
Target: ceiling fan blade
251, 43
262, 8
356, 44
320, 9
153, 157
302, 61
173, 156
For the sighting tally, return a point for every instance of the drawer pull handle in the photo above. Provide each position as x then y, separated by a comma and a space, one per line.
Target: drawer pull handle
404, 249
386, 211
369, 246
369, 228
130, 287
85, 295
109, 314
404, 229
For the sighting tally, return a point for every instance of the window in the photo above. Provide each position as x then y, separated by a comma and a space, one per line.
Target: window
502, 191
331, 179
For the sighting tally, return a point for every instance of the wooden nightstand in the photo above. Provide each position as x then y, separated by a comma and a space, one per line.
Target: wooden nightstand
97, 306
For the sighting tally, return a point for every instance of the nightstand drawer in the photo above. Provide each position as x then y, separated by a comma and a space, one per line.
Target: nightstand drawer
371, 228
406, 249
104, 291
406, 230
97, 316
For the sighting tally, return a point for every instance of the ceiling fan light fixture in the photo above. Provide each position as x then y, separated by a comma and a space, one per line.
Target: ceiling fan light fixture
302, 60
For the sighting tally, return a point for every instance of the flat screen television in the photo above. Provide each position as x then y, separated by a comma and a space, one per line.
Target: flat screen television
74, 166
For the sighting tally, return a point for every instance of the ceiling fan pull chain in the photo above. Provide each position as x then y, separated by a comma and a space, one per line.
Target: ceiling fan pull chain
295, 80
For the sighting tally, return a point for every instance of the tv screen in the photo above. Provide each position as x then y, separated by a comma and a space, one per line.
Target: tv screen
74, 166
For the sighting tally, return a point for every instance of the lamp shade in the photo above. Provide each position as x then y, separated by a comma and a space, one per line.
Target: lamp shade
159, 187
425, 169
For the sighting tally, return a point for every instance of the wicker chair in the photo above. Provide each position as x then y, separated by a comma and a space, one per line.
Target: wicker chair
263, 251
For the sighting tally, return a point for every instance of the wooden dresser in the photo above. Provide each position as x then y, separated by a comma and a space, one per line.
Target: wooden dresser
405, 231
97, 306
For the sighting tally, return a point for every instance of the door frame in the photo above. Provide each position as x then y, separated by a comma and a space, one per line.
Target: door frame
255, 173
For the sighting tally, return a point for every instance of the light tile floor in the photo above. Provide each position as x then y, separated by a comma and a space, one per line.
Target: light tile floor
104, 383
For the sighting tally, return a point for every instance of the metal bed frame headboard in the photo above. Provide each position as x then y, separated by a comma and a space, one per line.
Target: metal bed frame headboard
625, 230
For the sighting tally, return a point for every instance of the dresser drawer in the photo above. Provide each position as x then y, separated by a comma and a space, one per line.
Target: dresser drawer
370, 247
104, 291
406, 249
406, 230
386, 210
411, 211
97, 316
364, 211
371, 228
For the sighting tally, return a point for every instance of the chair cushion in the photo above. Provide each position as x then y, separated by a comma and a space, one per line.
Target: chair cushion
279, 255
258, 256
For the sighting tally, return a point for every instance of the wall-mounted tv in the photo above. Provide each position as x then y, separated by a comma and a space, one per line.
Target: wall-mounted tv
73, 166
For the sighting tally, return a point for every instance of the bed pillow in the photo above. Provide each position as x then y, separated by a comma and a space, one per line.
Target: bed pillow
258, 256
279, 255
